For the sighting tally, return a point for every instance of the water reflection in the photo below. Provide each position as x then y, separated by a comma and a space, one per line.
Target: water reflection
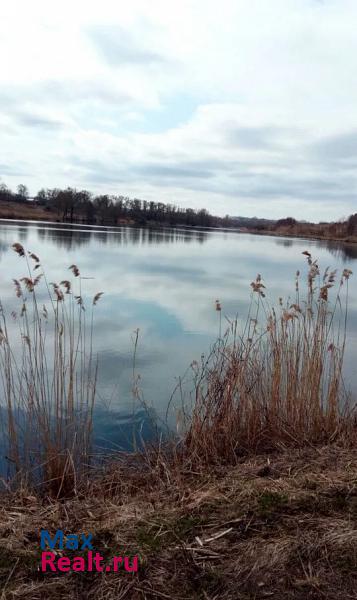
68, 237
112, 432
343, 251
287, 243
164, 282
3, 247
115, 432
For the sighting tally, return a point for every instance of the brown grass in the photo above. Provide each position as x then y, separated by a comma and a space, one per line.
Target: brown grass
278, 527
257, 500
48, 376
17, 211
276, 381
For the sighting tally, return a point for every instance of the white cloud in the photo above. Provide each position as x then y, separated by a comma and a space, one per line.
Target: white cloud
247, 109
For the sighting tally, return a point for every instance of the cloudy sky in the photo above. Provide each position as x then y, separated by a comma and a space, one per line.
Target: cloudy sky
245, 107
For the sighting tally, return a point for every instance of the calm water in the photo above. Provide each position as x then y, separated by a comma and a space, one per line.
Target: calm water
164, 282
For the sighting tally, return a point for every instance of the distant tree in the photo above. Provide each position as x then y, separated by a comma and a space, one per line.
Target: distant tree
119, 209
73, 205
42, 196
22, 193
62, 202
352, 225
5, 193
288, 222
89, 211
81, 202
190, 216
102, 205
204, 218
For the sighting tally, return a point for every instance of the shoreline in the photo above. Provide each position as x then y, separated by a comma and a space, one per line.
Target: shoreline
348, 240
39, 215
277, 525
254, 498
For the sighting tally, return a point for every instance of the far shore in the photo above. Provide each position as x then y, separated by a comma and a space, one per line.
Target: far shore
302, 236
13, 211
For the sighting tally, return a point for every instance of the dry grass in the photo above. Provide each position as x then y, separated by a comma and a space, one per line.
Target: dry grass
209, 517
278, 381
275, 383
280, 527
48, 377
22, 211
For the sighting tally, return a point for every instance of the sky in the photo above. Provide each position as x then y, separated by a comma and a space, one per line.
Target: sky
243, 107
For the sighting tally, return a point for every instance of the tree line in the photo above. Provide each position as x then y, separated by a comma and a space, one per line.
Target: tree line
72, 205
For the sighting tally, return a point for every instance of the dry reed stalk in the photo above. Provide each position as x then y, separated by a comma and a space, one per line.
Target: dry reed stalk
48, 376
279, 382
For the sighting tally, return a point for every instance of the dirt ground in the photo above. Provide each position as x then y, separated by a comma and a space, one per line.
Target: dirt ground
277, 526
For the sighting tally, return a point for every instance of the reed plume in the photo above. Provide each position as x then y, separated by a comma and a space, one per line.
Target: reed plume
48, 375
277, 380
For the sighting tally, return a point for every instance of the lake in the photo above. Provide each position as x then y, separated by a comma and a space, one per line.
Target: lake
164, 282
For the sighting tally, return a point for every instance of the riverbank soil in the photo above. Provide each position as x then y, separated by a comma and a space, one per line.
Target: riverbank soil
273, 526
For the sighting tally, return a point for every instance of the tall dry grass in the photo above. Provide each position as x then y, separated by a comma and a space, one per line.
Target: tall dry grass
278, 380
273, 382
48, 375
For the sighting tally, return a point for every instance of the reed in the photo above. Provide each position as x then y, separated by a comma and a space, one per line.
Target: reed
276, 381
48, 374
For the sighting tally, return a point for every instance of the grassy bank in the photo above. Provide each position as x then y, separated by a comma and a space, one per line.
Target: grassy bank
341, 231
279, 526
33, 212
305, 234
328, 232
25, 212
254, 497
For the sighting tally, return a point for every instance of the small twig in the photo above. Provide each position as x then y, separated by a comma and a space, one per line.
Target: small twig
218, 535
8, 579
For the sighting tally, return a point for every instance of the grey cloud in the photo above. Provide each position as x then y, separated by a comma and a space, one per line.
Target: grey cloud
7, 169
185, 273
338, 147
242, 184
240, 180
72, 91
96, 171
118, 47
294, 187
166, 174
287, 176
25, 105
28, 119
254, 137
61, 92
180, 170
108, 176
